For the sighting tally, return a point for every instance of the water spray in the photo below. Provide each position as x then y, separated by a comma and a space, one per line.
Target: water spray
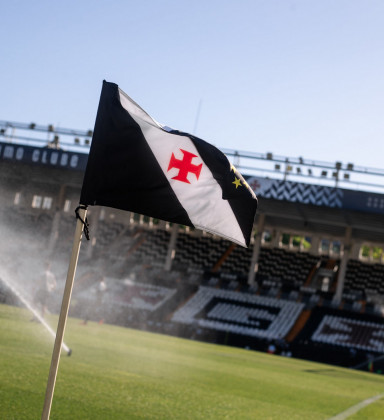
35, 313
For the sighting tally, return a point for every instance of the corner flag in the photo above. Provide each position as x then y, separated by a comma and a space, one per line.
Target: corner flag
136, 164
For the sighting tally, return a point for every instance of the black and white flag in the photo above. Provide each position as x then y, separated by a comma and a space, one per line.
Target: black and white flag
136, 164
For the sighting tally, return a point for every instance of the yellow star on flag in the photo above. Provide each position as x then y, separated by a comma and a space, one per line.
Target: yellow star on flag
237, 182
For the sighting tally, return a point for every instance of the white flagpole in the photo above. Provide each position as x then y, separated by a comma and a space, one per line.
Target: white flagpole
64, 312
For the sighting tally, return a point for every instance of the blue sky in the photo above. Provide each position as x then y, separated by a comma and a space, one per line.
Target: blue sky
296, 78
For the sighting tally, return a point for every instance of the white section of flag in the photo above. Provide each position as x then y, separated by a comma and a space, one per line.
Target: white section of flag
202, 198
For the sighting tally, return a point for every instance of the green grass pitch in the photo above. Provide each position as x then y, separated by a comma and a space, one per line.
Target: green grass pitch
119, 373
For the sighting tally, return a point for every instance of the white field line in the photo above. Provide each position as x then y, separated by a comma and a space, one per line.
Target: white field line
354, 409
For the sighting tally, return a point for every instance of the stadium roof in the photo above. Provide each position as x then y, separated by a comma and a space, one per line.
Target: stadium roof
332, 222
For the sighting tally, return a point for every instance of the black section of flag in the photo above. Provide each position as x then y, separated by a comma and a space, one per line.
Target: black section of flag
122, 171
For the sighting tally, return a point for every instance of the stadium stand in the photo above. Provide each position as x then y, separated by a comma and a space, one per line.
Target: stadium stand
346, 332
362, 277
200, 252
240, 313
290, 268
323, 301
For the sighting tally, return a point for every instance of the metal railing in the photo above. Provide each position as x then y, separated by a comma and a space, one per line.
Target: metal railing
267, 165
